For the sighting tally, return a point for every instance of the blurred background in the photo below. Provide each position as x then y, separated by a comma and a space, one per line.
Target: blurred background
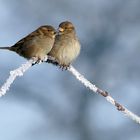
47, 103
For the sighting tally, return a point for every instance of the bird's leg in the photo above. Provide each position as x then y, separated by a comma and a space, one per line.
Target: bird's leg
52, 60
64, 67
44, 59
38, 60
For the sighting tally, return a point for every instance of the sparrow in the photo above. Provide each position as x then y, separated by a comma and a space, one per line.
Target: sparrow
37, 44
66, 46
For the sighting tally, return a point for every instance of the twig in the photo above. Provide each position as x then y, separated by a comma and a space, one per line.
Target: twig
24, 67
97, 90
105, 94
17, 72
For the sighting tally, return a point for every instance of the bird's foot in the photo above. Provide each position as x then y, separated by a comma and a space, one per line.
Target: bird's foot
64, 67
38, 60
45, 58
52, 60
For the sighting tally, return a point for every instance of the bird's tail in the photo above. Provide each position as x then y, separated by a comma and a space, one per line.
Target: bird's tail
6, 48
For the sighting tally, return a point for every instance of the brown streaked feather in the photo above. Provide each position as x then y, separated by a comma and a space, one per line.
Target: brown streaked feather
36, 44
66, 47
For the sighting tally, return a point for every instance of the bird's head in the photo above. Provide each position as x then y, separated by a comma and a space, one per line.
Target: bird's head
66, 27
48, 30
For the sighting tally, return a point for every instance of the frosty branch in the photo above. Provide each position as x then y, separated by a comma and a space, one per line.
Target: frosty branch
24, 67
105, 94
17, 73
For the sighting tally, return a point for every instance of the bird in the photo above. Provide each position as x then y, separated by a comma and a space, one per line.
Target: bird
66, 47
35, 45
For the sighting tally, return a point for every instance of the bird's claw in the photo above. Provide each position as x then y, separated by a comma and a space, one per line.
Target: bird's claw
64, 67
38, 60
52, 60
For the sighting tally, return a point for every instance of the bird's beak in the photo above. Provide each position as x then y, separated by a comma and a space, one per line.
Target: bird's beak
60, 29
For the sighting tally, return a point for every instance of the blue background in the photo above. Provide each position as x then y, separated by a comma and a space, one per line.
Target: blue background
47, 103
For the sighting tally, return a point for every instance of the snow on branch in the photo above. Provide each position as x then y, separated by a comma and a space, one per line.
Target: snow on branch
15, 73
24, 67
105, 94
